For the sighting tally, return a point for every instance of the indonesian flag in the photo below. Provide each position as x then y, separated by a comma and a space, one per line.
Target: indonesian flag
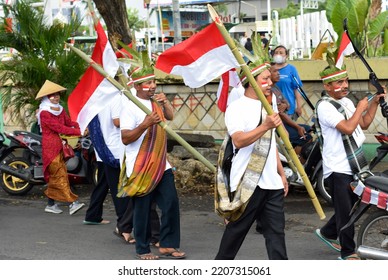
199, 59
94, 92
228, 79
346, 48
382, 200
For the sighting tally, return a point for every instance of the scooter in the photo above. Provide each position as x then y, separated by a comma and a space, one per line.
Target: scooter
372, 237
21, 165
381, 152
311, 157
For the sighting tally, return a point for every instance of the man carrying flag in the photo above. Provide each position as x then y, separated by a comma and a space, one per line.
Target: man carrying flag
339, 127
257, 184
146, 174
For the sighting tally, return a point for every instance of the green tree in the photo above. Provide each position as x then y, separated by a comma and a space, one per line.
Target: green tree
39, 55
293, 9
134, 22
365, 24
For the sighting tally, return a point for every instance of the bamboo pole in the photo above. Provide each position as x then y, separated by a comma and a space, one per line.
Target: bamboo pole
280, 129
123, 89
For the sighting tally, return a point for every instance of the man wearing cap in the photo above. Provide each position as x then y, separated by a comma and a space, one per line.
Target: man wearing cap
256, 170
53, 121
339, 125
146, 174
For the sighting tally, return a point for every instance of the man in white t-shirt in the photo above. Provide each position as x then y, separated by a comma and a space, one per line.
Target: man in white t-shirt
105, 134
147, 167
337, 118
247, 122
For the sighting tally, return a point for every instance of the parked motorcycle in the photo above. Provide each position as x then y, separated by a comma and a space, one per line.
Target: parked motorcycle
381, 152
372, 188
21, 164
311, 158
372, 236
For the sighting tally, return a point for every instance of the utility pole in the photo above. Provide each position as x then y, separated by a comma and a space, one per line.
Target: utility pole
147, 5
176, 18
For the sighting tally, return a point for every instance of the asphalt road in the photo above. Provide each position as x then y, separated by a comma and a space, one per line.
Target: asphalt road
28, 233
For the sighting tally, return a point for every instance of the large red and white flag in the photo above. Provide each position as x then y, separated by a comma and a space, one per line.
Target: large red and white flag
345, 48
199, 59
94, 92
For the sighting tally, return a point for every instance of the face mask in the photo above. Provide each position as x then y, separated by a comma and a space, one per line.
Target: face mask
279, 59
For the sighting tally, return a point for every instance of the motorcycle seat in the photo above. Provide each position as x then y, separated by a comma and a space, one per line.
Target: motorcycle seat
377, 182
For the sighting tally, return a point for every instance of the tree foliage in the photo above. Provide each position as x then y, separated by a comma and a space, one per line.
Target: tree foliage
134, 22
365, 25
293, 9
39, 55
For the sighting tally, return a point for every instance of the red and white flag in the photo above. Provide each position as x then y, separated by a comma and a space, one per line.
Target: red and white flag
94, 92
199, 59
228, 79
346, 48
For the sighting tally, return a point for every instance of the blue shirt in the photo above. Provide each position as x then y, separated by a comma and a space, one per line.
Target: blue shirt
287, 85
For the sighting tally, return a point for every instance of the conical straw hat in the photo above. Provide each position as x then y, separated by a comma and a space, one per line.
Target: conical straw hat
49, 88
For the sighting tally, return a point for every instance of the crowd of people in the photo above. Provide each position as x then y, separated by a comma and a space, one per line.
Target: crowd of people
131, 150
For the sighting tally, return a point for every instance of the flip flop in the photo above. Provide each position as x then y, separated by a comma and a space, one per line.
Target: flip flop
147, 256
333, 244
352, 257
103, 222
170, 255
120, 235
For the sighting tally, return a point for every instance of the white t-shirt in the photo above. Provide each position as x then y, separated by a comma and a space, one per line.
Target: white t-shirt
334, 155
111, 133
131, 117
244, 114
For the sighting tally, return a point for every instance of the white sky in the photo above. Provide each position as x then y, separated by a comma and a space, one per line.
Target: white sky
139, 5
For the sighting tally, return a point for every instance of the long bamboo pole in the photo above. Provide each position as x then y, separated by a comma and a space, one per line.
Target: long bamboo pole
280, 129
173, 134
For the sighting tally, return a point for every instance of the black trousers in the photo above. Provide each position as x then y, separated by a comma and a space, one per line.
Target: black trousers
269, 206
343, 200
108, 178
166, 197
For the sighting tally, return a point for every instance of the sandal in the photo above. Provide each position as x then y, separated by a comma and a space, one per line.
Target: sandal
333, 244
155, 244
172, 253
352, 257
127, 237
147, 256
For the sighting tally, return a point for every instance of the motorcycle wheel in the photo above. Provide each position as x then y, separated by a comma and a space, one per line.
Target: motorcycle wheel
14, 185
323, 190
94, 173
373, 231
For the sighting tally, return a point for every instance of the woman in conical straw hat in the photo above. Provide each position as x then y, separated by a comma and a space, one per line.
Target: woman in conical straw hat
53, 121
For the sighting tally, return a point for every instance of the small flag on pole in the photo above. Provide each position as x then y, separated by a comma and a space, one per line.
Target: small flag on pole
345, 48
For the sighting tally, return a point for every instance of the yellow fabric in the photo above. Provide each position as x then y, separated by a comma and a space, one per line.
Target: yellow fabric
58, 187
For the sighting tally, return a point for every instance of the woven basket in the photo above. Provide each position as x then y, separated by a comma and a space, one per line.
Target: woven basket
71, 140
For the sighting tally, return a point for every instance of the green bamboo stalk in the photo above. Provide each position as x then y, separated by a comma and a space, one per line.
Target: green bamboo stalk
123, 89
280, 129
